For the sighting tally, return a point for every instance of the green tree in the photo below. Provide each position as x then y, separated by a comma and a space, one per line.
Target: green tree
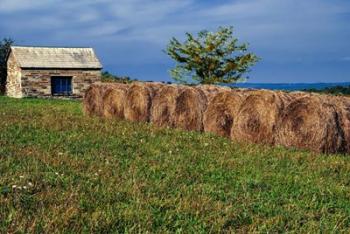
210, 58
5, 45
108, 77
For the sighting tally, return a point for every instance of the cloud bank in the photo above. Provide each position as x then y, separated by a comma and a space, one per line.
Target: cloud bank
297, 40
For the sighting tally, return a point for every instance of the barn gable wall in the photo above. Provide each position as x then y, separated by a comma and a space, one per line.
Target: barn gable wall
37, 82
13, 82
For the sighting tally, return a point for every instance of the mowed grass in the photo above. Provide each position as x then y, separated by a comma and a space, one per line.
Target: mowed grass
63, 172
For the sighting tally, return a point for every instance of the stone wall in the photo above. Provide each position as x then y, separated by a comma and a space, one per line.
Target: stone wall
13, 82
37, 83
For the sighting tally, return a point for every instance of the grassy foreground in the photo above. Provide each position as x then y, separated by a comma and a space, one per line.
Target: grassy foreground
63, 172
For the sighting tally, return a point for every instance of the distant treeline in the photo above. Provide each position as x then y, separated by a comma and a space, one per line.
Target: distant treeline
337, 90
108, 77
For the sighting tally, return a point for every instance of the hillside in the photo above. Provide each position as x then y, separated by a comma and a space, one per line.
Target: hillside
63, 172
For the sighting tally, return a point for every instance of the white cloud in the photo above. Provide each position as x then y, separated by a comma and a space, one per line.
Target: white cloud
255, 18
289, 27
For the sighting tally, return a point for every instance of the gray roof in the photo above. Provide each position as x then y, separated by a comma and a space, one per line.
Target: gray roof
50, 57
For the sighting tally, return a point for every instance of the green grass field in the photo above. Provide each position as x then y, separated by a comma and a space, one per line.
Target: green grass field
63, 172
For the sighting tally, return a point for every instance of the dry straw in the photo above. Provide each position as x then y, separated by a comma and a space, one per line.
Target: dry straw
222, 111
93, 101
114, 100
154, 86
257, 117
138, 102
311, 122
163, 106
190, 106
343, 109
210, 91
179, 107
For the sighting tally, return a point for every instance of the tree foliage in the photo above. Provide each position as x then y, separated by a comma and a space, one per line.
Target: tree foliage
5, 45
108, 77
210, 58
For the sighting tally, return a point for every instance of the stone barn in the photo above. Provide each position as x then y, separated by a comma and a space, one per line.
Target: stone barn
51, 72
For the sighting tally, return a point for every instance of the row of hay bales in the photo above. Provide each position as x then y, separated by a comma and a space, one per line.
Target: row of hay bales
316, 122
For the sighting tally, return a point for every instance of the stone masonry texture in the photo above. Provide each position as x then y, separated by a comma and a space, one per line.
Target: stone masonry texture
13, 82
37, 83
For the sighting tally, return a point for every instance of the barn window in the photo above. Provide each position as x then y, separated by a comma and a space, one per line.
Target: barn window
61, 85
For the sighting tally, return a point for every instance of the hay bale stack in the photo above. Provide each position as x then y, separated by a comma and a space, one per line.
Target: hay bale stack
138, 102
221, 112
179, 107
298, 119
257, 117
109, 100
93, 99
311, 122
113, 101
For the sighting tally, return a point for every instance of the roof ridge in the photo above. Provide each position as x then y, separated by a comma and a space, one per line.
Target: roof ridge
52, 47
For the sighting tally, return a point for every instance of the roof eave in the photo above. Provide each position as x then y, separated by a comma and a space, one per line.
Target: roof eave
61, 68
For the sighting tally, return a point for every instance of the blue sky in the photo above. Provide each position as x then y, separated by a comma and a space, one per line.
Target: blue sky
298, 40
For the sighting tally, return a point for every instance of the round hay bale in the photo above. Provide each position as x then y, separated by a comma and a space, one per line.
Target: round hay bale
114, 100
180, 107
343, 109
190, 106
163, 106
221, 112
312, 123
138, 102
93, 102
257, 117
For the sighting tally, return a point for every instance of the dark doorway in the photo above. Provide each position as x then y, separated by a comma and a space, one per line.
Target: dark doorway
61, 85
